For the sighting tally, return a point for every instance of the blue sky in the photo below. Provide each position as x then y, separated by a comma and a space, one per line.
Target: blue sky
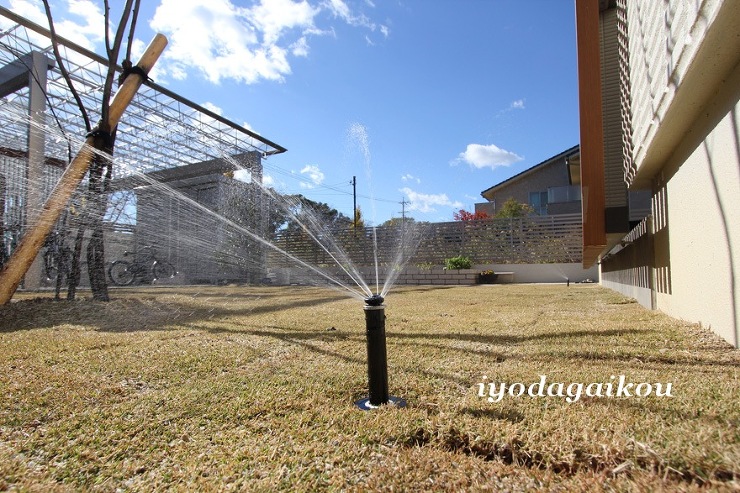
427, 101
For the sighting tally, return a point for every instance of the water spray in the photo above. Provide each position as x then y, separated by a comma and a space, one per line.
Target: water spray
377, 361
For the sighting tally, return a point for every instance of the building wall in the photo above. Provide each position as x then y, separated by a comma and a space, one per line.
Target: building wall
704, 233
684, 63
554, 174
200, 228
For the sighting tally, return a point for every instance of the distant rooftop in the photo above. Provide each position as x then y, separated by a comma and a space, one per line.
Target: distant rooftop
575, 150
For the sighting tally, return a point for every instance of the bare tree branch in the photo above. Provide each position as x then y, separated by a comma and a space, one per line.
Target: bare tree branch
62, 68
113, 52
132, 30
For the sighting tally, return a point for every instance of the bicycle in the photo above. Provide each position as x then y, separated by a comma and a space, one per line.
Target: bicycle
57, 257
145, 267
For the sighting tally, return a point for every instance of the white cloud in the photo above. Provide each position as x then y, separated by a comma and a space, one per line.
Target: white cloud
274, 17
487, 156
221, 40
31, 10
425, 202
91, 30
246, 176
300, 47
213, 108
224, 41
340, 9
218, 39
314, 174
80, 21
517, 105
410, 177
243, 175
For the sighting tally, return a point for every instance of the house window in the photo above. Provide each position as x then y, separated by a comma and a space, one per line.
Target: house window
568, 193
538, 201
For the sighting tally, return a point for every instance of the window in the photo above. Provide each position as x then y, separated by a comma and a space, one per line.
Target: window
538, 201
556, 195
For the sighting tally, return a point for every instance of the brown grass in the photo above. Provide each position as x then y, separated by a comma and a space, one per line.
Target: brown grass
239, 388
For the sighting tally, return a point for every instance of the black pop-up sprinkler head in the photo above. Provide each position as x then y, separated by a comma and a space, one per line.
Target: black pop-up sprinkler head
377, 362
374, 300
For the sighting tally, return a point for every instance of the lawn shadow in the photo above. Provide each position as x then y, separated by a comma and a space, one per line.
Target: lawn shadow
302, 338
142, 313
493, 413
516, 339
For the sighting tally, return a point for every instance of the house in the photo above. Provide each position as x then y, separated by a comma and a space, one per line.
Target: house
552, 187
545, 186
659, 85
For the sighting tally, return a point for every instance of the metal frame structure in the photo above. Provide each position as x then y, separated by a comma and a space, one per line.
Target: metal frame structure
160, 129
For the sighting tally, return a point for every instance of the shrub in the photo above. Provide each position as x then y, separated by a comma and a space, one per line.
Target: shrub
458, 262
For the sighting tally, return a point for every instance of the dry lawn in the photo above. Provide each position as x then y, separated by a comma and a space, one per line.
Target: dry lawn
241, 388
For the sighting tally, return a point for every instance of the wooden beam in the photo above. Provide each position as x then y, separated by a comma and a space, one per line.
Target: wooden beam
592, 131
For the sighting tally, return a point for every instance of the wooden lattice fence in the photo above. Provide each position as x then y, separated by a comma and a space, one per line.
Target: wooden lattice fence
537, 239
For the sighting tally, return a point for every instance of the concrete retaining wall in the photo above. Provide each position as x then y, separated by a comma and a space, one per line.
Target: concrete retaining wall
519, 273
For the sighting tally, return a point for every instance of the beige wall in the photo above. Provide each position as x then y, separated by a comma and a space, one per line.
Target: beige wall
703, 217
684, 75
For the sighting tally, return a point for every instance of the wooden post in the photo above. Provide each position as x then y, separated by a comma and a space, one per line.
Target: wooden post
30, 244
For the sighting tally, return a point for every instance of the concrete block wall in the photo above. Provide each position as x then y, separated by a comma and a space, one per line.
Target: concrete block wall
437, 275
522, 273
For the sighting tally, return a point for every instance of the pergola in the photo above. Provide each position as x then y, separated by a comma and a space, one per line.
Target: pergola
159, 130
42, 129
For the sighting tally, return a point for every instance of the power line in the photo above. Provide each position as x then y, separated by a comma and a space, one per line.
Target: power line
333, 188
403, 209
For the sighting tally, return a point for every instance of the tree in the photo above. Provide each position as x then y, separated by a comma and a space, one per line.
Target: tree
513, 208
100, 171
301, 211
463, 215
359, 222
397, 221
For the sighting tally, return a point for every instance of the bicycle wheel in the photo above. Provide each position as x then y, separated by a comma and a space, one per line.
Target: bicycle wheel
162, 269
120, 273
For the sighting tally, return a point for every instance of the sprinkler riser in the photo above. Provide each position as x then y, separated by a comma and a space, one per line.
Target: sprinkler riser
377, 360
377, 357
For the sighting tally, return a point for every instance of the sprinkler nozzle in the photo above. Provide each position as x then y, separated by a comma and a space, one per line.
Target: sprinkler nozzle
374, 300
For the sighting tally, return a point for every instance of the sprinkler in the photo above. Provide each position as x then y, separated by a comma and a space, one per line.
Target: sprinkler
377, 363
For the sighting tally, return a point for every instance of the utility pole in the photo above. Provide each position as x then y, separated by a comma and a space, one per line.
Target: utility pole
354, 198
403, 211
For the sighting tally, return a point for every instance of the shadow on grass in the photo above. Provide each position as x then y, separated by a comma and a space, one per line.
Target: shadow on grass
633, 359
137, 313
669, 413
516, 339
493, 413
